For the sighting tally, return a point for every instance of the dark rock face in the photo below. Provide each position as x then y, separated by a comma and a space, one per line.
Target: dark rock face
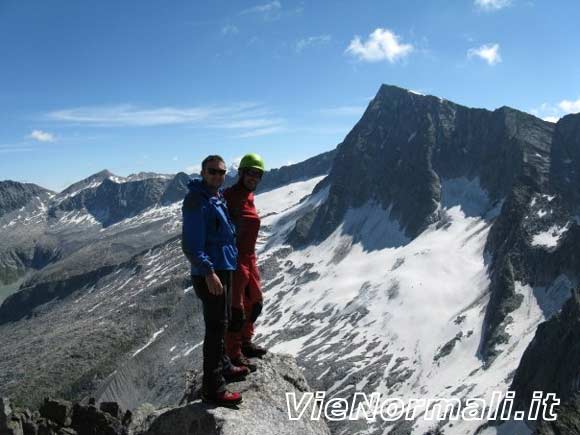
60, 417
14, 195
551, 364
565, 158
514, 257
309, 168
556, 340
97, 178
112, 202
568, 421
274, 178
22, 242
175, 189
405, 144
59, 411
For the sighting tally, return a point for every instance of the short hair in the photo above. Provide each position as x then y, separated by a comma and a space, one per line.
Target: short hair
211, 158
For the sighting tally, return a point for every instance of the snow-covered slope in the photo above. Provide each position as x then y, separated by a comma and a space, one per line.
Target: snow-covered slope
369, 310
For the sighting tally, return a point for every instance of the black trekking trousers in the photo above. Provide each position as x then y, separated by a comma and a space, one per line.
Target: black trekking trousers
216, 314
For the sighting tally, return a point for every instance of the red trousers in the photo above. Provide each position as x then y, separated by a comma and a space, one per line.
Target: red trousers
246, 299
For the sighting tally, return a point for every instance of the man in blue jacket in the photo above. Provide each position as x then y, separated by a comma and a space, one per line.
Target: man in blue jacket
208, 241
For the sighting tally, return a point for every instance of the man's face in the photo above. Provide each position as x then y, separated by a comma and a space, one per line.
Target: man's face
251, 177
214, 173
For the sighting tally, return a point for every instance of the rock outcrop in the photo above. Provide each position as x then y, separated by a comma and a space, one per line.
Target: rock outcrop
110, 202
14, 195
263, 411
60, 417
309, 168
551, 364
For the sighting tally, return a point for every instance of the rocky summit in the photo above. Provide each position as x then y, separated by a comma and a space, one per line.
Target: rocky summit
264, 410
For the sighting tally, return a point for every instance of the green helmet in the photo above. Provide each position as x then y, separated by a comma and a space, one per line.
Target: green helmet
252, 161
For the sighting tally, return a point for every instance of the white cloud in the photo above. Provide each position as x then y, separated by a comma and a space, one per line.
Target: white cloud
250, 118
41, 136
547, 112
553, 112
229, 29
492, 5
262, 132
312, 41
343, 110
129, 115
269, 11
488, 52
253, 123
568, 106
381, 45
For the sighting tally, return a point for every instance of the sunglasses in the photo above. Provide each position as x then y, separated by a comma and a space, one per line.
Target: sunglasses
214, 171
254, 173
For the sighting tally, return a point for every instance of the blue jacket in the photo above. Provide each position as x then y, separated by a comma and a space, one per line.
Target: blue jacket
208, 234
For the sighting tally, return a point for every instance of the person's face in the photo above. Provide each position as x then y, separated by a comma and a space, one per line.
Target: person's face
251, 177
214, 173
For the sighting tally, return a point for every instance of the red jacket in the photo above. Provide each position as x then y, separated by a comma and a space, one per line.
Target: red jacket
245, 217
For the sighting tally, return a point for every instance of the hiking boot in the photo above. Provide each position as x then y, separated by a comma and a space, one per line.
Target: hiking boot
243, 361
252, 350
235, 373
225, 398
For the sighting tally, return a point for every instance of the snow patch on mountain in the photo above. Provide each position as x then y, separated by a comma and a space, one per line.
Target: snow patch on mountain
32, 214
369, 310
75, 217
279, 209
283, 198
171, 213
151, 340
550, 237
469, 195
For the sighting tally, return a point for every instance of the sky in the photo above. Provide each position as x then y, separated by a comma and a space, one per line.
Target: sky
156, 86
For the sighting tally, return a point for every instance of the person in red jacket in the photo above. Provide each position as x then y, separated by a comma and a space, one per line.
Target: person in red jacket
246, 292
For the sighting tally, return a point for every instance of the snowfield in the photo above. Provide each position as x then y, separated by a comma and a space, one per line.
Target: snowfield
550, 237
370, 310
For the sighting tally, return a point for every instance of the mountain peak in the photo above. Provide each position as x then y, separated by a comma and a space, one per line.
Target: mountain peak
97, 177
105, 173
14, 194
390, 97
392, 91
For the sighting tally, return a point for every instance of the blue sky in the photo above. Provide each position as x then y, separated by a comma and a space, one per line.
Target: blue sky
155, 86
